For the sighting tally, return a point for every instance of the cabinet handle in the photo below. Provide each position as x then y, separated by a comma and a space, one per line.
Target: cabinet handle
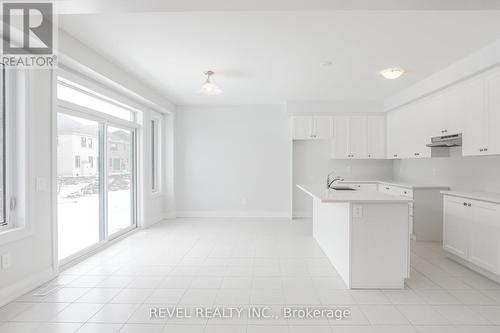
369, 155
395, 155
387, 188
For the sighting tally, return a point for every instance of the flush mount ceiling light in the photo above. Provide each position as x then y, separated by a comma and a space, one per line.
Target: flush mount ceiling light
392, 73
208, 88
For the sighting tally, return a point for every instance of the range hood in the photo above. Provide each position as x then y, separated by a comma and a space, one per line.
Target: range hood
454, 140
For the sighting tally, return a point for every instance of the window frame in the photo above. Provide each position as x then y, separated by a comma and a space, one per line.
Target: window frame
5, 223
18, 100
156, 130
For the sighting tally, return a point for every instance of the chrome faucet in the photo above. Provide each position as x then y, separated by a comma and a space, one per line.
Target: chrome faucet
330, 182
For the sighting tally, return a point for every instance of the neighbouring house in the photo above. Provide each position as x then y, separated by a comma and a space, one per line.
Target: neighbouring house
81, 143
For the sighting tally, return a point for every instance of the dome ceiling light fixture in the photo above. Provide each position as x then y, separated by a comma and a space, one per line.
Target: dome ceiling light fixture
392, 73
208, 88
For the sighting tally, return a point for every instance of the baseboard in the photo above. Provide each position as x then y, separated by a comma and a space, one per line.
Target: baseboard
475, 268
154, 220
232, 214
170, 215
10, 293
302, 215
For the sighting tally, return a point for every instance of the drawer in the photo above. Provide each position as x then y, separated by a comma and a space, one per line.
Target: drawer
362, 186
405, 192
395, 190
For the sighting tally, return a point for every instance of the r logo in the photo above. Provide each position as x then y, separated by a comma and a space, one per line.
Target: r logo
27, 28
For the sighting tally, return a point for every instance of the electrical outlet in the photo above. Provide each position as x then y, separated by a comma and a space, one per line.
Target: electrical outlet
434, 172
243, 201
6, 262
357, 211
348, 169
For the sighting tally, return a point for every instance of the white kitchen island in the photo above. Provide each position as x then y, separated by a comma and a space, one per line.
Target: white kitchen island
365, 234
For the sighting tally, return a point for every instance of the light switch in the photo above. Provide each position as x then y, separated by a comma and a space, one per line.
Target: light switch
357, 211
6, 262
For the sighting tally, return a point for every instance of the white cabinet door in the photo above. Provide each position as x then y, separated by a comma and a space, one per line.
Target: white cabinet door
493, 113
302, 127
456, 233
434, 111
484, 248
375, 133
394, 134
418, 132
357, 137
475, 134
340, 142
454, 104
311, 127
322, 127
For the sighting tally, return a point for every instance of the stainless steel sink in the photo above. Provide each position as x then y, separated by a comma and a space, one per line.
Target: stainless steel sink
342, 188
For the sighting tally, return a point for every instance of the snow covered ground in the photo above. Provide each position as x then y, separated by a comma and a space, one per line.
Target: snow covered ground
78, 217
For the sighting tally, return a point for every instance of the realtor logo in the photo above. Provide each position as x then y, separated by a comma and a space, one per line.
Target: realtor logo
28, 34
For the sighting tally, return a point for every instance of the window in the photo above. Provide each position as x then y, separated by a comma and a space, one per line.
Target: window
13, 167
74, 93
155, 153
103, 194
3, 187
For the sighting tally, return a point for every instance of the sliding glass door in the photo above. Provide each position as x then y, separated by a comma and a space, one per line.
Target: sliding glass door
90, 211
120, 175
78, 184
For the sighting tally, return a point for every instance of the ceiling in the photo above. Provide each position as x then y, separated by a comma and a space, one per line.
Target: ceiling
263, 57
114, 6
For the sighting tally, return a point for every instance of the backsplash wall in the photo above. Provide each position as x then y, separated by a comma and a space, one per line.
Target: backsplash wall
481, 173
311, 165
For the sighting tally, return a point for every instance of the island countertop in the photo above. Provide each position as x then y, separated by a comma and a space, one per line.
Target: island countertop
320, 192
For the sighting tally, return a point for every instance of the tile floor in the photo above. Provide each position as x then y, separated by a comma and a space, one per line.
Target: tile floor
242, 263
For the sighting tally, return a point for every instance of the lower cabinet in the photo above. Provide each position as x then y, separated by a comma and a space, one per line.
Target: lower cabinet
472, 231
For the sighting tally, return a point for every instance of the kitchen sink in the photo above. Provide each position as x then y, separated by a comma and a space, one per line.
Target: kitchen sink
342, 188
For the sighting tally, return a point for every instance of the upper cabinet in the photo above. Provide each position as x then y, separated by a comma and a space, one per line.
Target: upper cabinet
493, 112
312, 127
375, 136
358, 137
407, 131
471, 107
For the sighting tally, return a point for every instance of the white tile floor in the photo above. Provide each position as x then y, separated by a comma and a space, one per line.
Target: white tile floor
241, 263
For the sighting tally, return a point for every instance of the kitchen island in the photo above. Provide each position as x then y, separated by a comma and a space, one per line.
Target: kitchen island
364, 234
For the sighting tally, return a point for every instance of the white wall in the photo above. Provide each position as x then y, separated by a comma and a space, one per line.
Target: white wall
478, 62
233, 161
311, 165
341, 106
480, 173
31, 257
78, 57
